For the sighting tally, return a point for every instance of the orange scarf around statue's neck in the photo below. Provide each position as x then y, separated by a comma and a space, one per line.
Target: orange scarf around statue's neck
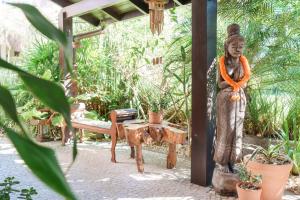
235, 85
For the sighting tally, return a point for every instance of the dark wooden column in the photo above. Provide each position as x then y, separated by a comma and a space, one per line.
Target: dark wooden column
66, 25
204, 18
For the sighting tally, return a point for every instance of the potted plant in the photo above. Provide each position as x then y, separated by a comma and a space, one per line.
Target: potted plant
274, 167
155, 112
156, 106
250, 186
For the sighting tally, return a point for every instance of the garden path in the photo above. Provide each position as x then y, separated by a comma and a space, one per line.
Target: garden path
94, 177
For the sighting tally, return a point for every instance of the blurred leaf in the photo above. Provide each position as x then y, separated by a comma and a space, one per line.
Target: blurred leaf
48, 92
8, 104
42, 161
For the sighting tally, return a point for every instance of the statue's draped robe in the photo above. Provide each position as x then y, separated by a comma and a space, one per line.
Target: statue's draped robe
230, 118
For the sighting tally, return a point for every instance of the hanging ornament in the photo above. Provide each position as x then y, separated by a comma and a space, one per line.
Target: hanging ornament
157, 61
156, 9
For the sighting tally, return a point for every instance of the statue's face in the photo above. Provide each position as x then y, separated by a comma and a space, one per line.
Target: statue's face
235, 48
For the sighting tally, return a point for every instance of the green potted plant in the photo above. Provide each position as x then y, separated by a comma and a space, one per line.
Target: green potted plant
274, 166
250, 186
156, 106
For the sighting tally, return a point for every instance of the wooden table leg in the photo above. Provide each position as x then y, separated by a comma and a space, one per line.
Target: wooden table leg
39, 136
81, 132
63, 136
172, 157
132, 152
139, 158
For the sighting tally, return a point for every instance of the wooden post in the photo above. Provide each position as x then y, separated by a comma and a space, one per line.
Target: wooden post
139, 158
66, 25
204, 28
132, 152
172, 156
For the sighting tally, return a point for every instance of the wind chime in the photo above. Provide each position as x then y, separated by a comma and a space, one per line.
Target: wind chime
156, 9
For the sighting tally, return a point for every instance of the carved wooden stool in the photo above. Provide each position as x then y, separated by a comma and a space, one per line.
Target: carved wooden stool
136, 134
173, 136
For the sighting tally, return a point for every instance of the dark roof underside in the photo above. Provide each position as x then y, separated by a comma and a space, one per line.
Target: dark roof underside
122, 10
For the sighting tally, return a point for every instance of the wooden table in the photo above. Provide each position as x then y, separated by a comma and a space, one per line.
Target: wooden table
141, 132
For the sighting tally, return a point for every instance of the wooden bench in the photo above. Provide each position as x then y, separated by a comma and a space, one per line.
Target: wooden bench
80, 123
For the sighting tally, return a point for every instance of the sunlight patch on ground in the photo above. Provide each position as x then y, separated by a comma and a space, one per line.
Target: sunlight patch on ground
291, 197
103, 180
153, 176
159, 198
85, 149
18, 161
7, 149
144, 177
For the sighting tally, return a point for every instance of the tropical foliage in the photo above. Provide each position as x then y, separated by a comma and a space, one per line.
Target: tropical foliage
272, 47
116, 70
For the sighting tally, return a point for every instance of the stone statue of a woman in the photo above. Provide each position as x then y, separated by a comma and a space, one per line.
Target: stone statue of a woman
233, 74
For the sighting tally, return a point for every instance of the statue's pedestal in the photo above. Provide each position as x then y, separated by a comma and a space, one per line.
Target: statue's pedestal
225, 183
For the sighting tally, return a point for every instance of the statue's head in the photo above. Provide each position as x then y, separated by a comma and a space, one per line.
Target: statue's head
234, 43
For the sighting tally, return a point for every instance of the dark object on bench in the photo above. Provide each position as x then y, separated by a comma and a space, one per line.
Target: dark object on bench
124, 115
128, 115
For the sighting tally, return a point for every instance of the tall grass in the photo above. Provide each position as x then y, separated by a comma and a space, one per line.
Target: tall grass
265, 113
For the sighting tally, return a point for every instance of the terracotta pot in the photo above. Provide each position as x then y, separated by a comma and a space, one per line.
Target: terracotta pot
274, 178
155, 118
248, 194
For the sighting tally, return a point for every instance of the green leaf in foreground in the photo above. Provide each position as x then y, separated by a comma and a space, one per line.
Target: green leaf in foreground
8, 104
43, 163
50, 93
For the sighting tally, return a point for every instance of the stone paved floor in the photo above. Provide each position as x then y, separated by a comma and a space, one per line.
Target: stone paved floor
94, 177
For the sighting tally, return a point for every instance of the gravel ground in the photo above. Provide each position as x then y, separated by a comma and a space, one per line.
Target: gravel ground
94, 177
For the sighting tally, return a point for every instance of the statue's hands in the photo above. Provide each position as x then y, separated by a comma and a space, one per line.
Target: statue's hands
235, 97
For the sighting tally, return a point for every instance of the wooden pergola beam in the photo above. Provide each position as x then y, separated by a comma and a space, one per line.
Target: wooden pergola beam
141, 6
178, 2
87, 6
181, 2
131, 15
204, 20
87, 35
87, 17
91, 19
112, 13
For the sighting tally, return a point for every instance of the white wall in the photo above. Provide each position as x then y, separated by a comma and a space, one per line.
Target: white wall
14, 23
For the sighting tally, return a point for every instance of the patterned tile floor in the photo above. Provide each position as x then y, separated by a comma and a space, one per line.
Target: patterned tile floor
94, 177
